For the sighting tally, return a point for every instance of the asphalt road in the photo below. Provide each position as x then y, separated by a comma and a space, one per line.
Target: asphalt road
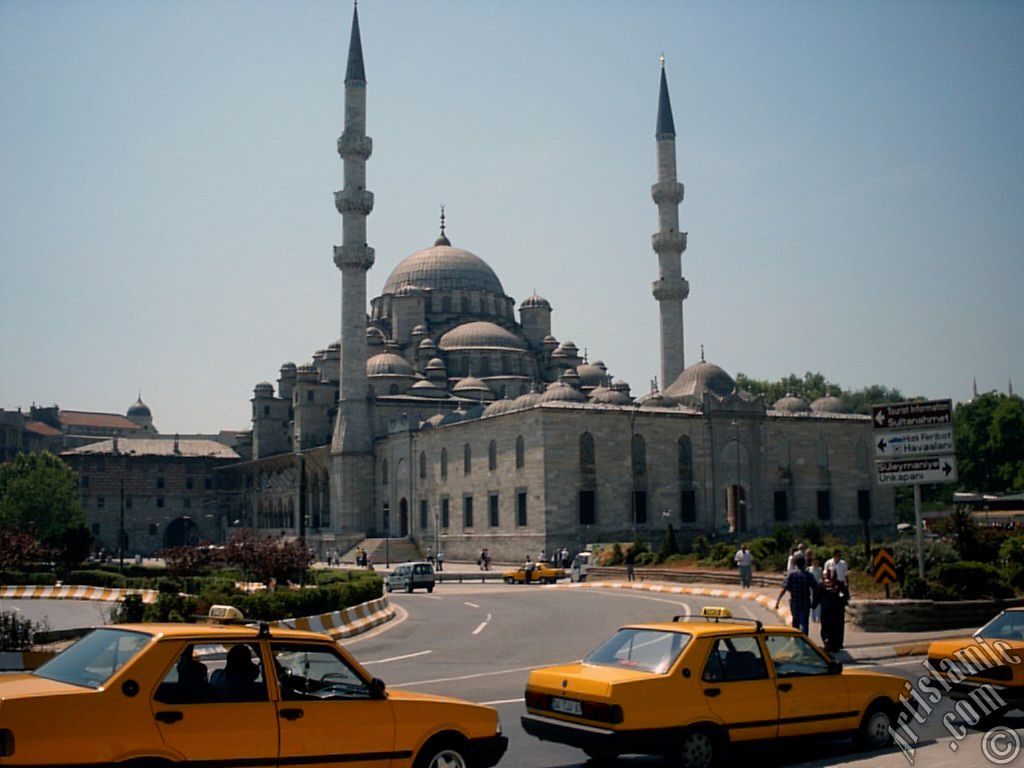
61, 614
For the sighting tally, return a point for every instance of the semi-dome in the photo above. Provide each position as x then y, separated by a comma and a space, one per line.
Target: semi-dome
478, 334
139, 409
427, 388
562, 392
389, 364
443, 268
592, 375
653, 399
791, 404
829, 404
528, 400
608, 396
499, 407
699, 378
535, 302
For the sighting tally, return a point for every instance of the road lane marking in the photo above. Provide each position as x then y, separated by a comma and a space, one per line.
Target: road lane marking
472, 605
396, 658
502, 701
474, 676
483, 624
866, 663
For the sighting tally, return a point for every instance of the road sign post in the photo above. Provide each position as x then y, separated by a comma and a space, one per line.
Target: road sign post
914, 445
883, 566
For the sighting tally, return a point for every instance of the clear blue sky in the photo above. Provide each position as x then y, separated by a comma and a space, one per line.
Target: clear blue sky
854, 175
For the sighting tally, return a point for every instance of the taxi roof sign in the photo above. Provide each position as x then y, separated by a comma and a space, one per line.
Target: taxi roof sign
225, 614
715, 612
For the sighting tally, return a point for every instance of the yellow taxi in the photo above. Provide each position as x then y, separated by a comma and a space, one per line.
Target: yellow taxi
987, 667
542, 573
161, 694
687, 688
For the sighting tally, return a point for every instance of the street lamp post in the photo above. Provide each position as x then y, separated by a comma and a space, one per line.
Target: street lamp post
120, 528
736, 491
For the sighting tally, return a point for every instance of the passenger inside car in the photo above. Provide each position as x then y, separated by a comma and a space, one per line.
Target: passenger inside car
239, 680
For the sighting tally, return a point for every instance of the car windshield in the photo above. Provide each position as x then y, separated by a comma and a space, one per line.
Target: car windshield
644, 649
95, 658
1005, 626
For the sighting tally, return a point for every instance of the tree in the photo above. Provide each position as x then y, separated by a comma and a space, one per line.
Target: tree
989, 434
263, 559
39, 494
811, 386
669, 546
17, 549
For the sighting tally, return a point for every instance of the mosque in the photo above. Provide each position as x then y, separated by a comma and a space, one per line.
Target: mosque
455, 419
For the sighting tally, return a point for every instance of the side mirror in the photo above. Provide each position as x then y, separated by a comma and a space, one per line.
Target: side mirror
377, 688
835, 667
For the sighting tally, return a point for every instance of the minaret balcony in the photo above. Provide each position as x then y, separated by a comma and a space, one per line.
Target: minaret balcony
670, 192
354, 201
354, 146
358, 256
670, 242
670, 289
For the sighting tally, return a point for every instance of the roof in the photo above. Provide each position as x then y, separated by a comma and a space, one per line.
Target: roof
443, 268
697, 626
157, 446
700, 377
227, 631
37, 427
666, 126
93, 419
355, 72
480, 334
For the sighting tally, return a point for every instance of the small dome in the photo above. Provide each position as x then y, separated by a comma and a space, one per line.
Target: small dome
562, 392
287, 367
480, 334
140, 409
529, 400
427, 344
570, 377
426, 388
609, 396
653, 400
499, 407
389, 364
566, 349
408, 290
375, 335
443, 268
436, 364
433, 421
829, 404
535, 302
791, 404
307, 371
264, 389
474, 388
592, 375
419, 330
549, 343
453, 417
620, 386
699, 378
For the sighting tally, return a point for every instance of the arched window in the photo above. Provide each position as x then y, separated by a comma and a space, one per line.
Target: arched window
423, 465
465, 305
492, 456
587, 452
485, 365
520, 452
504, 365
384, 472
393, 389
639, 456
685, 459
444, 463
821, 453
467, 459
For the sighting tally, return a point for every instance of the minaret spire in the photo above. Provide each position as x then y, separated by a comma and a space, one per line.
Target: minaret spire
355, 72
669, 243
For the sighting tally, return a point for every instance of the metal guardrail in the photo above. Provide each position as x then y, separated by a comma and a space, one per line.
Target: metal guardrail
682, 576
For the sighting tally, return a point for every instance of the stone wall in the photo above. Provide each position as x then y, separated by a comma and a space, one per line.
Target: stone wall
921, 615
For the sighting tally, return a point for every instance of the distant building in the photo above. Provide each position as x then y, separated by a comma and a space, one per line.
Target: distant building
172, 491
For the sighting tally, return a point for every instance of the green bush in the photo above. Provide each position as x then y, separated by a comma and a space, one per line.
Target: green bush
324, 578
721, 554
767, 555
131, 610
616, 557
669, 546
646, 558
936, 553
810, 534
783, 536
16, 633
1012, 550
680, 558
31, 579
97, 578
171, 607
288, 603
968, 580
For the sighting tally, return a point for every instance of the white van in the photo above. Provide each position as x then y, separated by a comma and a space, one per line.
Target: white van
410, 576
580, 565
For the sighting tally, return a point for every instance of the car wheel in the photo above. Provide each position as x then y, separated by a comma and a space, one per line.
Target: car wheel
408, 587
874, 732
430, 588
390, 588
442, 754
509, 580
986, 722
696, 750
599, 757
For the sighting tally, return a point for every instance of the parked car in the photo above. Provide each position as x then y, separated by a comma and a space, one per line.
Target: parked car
985, 667
156, 694
542, 573
409, 576
580, 566
686, 688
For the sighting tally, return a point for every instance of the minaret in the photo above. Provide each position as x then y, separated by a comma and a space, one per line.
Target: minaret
351, 446
669, 243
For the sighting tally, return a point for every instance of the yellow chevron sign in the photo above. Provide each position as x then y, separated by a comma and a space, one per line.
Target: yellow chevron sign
884, 566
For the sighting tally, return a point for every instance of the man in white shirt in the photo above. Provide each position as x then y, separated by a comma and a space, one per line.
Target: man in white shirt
797, 551
745, 561
838, 566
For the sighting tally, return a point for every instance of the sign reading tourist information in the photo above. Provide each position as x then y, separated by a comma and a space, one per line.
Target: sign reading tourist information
885, 566
914, 442
927, 470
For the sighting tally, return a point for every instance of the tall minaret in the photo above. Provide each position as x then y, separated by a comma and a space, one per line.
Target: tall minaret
669, 243
351, 446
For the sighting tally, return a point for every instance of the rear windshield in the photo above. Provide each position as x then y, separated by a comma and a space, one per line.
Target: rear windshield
644, 649
422, 569
1005, 626
95, 658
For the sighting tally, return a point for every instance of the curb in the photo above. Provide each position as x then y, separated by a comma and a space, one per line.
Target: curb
347, 623
80, 592
911, 649
730, 594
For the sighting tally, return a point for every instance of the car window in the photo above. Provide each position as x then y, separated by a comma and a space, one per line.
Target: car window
1005, 626
793, 655
424, 569
306, 672
733, 659
211, 673
95, 658
644, 649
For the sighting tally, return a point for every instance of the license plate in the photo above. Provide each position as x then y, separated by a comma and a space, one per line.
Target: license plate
566, 706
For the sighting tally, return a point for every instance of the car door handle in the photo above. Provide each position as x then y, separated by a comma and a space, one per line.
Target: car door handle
712, 692
169, 716
291, 714
785, 687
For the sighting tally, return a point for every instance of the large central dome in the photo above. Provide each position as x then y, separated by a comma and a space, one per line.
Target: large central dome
444, 268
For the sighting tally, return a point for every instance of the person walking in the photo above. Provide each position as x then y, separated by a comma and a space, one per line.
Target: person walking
833, 612
801, 587
440, 560
838, 566
797, 551
816, 571
745, 560
630, 562
527, 569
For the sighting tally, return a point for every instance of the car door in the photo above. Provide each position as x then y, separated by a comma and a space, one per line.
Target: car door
328, 714
738, 689
201, 721
812, 697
